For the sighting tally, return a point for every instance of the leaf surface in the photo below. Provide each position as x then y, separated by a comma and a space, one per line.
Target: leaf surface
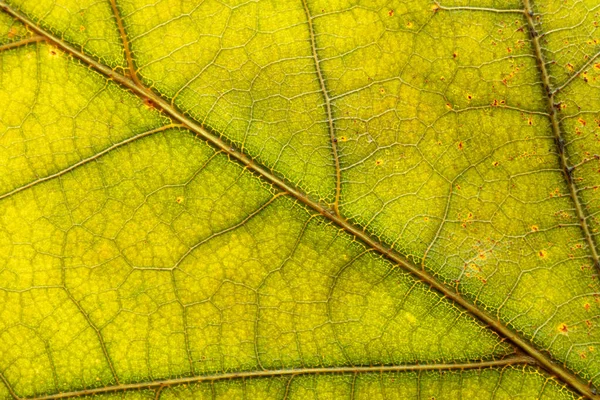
298, 199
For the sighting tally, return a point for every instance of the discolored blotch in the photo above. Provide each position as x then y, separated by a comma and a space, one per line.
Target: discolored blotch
563, 328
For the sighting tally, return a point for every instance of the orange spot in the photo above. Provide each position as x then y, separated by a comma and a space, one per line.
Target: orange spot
381, 90
597, 66
409, 24
495, 163
149, 103
482, 256
12, 32
587, 306
179, 200
82, 28
509, 50
378, 162
582, 121
535, 228
542, 253
469, 96
426, 219
588, 323
562, 328
455, 55
460, 145
391, 13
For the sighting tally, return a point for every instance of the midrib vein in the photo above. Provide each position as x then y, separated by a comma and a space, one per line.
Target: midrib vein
542, 359
331, 127
559, 141
159, 384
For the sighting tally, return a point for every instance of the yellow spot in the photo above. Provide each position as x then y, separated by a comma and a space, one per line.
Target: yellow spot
469, 96
435, 7
449, 106
426, 219
378, 162
179, 199
535, 228
381, 90
562, 328
343, 138
409, 25
570, 67
495, 163
529, 121
592, 348
82, 28
542, 253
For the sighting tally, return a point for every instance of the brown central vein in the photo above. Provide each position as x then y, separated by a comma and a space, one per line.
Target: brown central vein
334, 149
542, 358
159, 384
558, 136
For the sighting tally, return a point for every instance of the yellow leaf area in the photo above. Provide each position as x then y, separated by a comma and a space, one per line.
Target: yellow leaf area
299, 199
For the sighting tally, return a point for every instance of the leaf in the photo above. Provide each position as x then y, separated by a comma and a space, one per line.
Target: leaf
299, 199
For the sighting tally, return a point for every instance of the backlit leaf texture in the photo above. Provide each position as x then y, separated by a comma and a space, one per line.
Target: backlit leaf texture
298, 199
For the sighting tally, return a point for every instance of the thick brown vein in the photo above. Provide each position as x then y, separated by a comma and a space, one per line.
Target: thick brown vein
567, 170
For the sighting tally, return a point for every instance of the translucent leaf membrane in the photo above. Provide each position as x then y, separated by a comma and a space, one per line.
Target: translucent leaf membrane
571, 36
88, 24
11, 31
164, 259
249, 74
131, 251
57, 113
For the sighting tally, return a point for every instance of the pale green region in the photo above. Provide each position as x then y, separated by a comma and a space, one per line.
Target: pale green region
88, 24
11, 30
510, 383
287, 290
435, 70
47, 345
571, 30
436, 166
55, 113
249, 75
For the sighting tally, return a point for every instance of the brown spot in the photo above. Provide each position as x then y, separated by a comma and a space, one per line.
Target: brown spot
530, 121
562, 328
582, 121
455, 55
597, 66
460, 145
391, 13
542, 253
587, 306
508, 50
179, 199
381, 90
149, 103
535, 228
425, 219
343, 138
588, 323
469, 96
582, 355
570, 67
495, 163
378, 162
409, 24
449, 106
